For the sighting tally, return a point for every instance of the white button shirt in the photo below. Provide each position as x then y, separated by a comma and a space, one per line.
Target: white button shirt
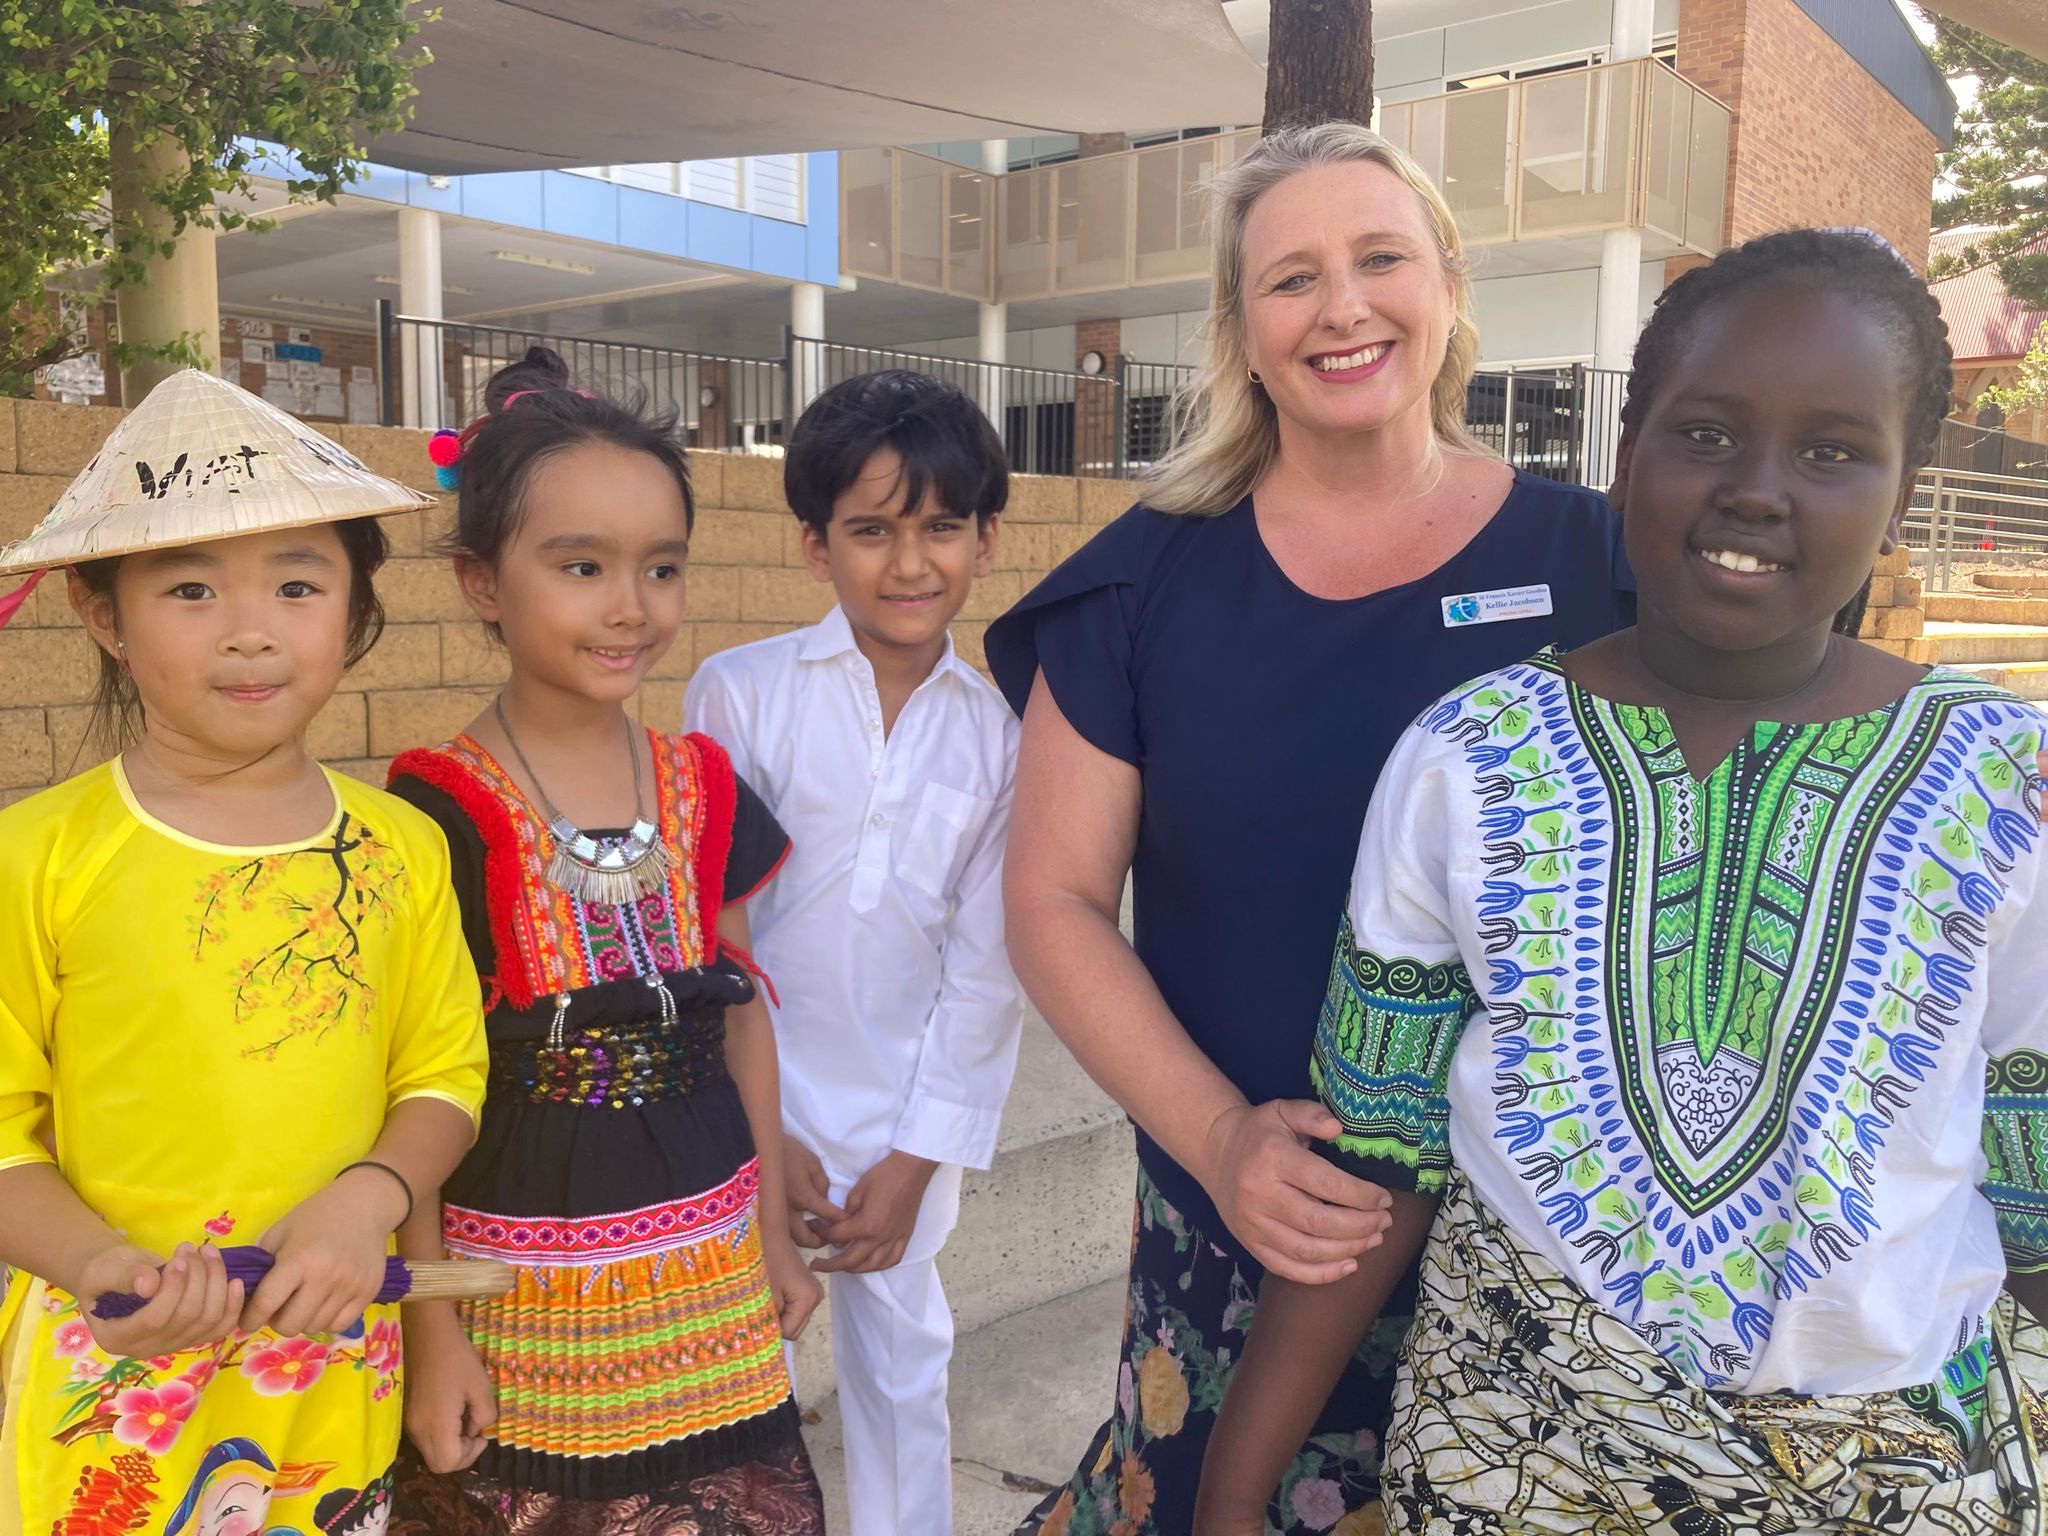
883, 932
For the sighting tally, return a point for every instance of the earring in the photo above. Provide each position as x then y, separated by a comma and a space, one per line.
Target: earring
1454, 333
1253, 376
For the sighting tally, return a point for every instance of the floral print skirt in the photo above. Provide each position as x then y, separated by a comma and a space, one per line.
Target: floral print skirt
1525, 1406
1187, 1313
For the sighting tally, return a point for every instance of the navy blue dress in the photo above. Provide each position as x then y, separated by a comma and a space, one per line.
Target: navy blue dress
1259, 717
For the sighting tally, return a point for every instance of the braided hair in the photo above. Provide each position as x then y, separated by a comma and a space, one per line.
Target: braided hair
1855, 263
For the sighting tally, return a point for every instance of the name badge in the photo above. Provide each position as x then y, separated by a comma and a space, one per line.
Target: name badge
1493, 607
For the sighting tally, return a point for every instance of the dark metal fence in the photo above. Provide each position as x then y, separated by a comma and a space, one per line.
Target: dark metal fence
433, 374
1051, 423
1561, 423
1989, 451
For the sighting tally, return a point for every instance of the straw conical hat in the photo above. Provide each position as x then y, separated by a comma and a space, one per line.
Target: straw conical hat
202, 459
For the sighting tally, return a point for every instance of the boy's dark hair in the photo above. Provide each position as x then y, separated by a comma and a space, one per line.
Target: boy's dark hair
117, 708
1850, 262
530, 414
947, 446
1854, 263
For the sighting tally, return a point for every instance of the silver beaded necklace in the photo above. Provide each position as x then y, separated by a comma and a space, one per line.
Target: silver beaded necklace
612, 872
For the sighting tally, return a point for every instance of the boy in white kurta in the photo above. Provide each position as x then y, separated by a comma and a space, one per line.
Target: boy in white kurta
889, 760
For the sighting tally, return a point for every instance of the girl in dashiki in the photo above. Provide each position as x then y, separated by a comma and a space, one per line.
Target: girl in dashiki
234, 1003
1695, 985
635, 1380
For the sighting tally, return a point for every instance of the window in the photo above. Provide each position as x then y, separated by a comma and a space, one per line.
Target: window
1664, 50
770, 185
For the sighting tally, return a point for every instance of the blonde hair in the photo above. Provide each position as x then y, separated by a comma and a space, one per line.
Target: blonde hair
1226, 430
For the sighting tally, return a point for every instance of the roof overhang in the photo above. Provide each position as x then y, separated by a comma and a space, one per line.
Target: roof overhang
525, 84
2021, 23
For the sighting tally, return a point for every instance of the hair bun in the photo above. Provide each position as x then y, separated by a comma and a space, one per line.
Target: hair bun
547, 360
541, 368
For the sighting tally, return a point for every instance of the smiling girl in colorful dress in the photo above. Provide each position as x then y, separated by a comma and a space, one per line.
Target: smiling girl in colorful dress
635, 1380
1695, 985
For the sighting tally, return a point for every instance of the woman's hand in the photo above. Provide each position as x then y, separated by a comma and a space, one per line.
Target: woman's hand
797, 1290
449, 1399
330, 1250
1302, 1218
187, 1304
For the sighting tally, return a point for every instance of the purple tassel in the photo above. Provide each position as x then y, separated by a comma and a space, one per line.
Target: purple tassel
249, 1265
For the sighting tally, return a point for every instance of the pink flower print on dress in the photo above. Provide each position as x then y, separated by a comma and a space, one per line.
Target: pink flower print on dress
1318, 1503
149, 1418
289, 1365
200, 1372
381, 1347
88, 1368
221, 1225
73, 1339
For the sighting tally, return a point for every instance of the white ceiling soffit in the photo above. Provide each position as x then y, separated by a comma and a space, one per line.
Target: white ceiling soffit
2021, 23
520, 84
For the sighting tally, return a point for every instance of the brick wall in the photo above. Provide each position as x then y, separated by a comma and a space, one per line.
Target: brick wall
1815, 140
340, 349
343, 349
435, 667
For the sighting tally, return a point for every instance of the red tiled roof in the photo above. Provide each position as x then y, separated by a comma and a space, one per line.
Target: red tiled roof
1985, 323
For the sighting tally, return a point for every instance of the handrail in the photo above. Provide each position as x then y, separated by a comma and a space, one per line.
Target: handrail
1630, 144
2007, 514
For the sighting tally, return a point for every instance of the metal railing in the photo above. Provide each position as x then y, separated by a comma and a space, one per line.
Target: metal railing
1963, 516
433, 374
1051, 422
1630, 145
1561, 423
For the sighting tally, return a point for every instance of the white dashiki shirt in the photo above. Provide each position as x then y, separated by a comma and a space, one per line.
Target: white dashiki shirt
1757, 1061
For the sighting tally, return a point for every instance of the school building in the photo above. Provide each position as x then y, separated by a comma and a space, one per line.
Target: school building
1590, 149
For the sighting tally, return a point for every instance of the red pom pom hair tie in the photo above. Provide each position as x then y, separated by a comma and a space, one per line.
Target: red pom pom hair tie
446, 447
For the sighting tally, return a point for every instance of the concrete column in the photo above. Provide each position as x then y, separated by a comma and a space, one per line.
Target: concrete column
995, 156
807, 319
1621, 250
179, 295
992, 338
422, 387
1614, 319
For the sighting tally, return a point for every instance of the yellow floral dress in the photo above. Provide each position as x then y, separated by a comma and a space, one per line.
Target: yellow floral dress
200, 1037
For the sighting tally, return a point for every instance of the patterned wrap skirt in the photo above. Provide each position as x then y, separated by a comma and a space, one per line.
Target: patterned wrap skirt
1187, 1313
638, 1362
1524, 1406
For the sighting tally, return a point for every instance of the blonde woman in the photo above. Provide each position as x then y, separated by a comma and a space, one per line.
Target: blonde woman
1209, 690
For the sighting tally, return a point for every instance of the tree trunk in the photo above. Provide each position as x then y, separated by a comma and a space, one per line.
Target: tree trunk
1318, 62
180, 295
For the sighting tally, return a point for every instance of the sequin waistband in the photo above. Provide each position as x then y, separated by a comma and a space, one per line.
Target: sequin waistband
613, 1066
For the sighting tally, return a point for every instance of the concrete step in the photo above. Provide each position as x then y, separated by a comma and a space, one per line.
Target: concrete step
1985, 608
2027, 679
2034, 582
1025, 1395
1968, 645
1051, 1216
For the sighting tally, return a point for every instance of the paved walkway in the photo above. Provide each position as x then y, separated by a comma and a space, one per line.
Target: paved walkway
1027, 1393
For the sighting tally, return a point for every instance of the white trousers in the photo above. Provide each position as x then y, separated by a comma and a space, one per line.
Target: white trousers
892, 1337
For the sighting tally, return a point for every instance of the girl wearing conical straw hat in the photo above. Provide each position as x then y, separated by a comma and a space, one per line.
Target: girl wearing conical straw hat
235, 1004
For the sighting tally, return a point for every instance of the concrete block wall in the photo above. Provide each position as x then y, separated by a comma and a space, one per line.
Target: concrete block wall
1895, 618
435, 666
